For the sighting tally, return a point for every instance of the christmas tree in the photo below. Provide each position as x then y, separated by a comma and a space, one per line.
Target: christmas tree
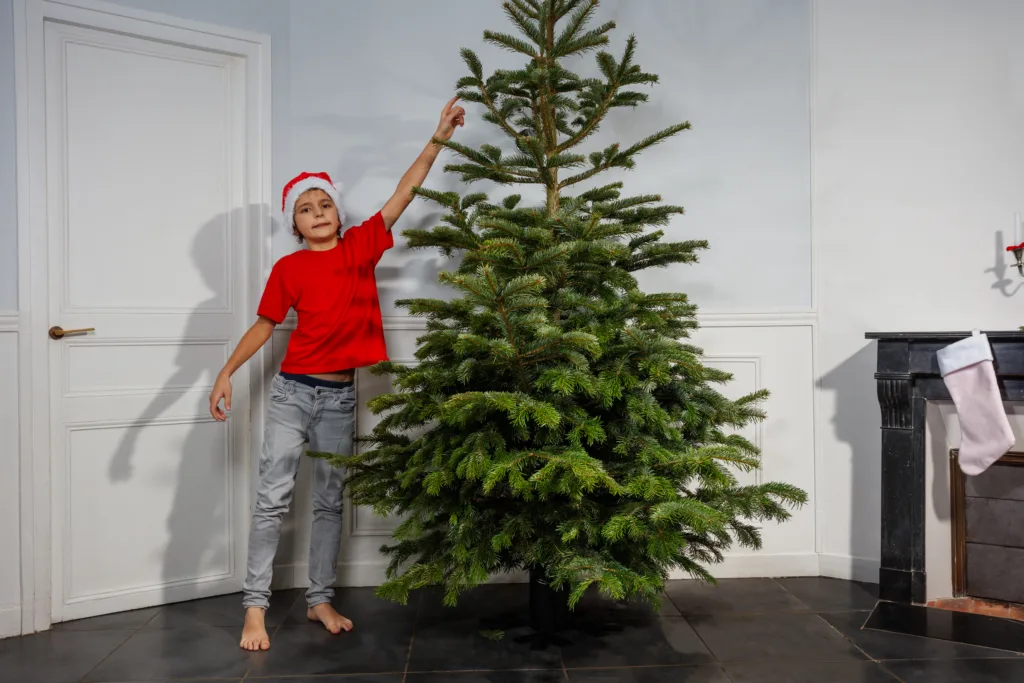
557, 420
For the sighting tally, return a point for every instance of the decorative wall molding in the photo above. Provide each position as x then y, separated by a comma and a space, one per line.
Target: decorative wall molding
780, 318
372, 573
10, 321
10, 621
797, 318
755, 362
11, 609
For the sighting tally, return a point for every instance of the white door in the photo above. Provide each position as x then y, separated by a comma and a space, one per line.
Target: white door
148, 180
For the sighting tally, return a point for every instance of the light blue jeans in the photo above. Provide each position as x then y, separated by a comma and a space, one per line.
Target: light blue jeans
300, 418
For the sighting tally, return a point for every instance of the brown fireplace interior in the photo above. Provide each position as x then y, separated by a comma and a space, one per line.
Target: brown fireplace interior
988, 538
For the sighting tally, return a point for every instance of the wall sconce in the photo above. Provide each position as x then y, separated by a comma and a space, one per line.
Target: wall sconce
1018, 248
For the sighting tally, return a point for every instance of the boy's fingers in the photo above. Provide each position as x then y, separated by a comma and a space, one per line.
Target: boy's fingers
451, 102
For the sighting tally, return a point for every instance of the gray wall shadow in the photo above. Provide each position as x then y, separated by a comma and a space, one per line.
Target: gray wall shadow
857, 422
195, 520
1003, 264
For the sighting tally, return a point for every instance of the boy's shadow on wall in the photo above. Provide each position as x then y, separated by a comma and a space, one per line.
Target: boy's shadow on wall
201, 526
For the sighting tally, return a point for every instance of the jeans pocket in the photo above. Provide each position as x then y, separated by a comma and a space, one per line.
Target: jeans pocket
347, 402
278, 391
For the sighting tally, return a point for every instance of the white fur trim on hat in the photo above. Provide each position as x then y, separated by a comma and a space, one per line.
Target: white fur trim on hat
305, 185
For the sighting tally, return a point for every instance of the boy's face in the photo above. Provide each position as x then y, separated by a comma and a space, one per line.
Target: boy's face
316, 217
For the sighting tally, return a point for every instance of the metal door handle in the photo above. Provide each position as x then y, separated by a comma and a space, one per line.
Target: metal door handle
57, 332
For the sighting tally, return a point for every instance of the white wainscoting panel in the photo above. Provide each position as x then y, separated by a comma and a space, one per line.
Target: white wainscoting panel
10, 534
772, 351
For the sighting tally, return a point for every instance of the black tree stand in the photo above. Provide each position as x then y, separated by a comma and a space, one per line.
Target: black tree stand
549, 611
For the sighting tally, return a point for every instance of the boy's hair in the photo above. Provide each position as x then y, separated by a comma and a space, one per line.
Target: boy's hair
302, 183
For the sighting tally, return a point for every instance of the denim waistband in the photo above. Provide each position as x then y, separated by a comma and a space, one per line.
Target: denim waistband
316, 381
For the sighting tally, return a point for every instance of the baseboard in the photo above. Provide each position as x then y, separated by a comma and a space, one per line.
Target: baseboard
349, 574
849, 567
734, 567
9, 321
10, 621
761, 565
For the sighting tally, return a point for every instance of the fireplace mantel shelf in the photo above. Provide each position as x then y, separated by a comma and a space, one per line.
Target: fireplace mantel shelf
1013, 335
907, 377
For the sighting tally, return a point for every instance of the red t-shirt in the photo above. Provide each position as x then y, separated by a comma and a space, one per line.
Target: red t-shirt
334, 294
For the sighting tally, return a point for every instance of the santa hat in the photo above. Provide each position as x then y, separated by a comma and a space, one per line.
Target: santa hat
303, 183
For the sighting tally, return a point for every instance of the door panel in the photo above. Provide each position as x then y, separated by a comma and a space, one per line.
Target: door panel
147, 244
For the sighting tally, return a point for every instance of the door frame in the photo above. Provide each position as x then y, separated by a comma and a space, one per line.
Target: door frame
37, 528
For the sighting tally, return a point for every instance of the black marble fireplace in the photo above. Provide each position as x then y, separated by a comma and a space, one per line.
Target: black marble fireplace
907, 376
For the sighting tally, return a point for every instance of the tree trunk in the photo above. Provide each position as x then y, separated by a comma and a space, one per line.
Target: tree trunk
549, 608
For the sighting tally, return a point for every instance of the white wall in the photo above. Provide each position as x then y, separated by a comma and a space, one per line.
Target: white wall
738, 73
917, 145
10, 558
8, 208
361, 103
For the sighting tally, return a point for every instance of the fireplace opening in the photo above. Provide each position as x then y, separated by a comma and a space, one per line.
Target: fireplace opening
988, 531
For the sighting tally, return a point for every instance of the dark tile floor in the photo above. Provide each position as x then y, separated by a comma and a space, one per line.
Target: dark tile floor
741, 631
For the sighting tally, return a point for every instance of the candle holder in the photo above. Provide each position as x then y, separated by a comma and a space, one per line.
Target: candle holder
1018, 255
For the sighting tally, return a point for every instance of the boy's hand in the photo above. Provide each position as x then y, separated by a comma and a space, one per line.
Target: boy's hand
451, 116
221, 390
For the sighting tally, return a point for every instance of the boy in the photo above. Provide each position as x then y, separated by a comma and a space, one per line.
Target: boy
331, 286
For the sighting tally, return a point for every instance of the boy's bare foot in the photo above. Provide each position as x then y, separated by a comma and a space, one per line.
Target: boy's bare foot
254, 633
326, 615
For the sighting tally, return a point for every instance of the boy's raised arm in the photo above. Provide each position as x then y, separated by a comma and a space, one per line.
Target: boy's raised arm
451, 117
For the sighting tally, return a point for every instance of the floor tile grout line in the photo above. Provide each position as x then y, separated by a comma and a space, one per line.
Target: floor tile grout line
719, 663
700, 638
519, 669
408, 654
109, 655
796, 597
133, 634
846, 638
877, 662
412, 637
